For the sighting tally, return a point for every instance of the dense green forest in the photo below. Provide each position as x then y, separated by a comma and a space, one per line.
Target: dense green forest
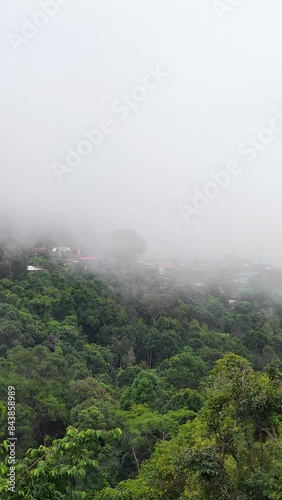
127, 387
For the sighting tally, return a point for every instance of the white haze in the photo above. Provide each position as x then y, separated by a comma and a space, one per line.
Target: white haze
225, 79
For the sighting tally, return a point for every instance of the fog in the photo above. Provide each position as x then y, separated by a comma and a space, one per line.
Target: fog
209, 80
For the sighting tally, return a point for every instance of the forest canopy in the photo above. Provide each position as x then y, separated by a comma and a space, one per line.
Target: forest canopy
128, 388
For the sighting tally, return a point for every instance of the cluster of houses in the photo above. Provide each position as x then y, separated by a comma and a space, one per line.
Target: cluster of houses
230, 276
65, 254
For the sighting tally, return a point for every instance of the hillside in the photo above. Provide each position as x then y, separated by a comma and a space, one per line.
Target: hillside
127, 387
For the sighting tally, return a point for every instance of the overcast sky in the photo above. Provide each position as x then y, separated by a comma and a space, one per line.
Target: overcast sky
222, 83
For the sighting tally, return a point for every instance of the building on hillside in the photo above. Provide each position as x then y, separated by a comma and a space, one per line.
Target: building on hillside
232, 302
34, 269
86, 258
165, 268
60, 251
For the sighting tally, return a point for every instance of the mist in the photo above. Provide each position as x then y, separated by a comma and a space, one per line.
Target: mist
163, 93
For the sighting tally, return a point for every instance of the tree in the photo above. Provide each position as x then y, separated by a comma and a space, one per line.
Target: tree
183, 370
144, 390
57, 471
243, 413
145, 427
161, 345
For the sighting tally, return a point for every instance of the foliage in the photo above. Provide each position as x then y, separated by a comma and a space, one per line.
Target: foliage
191, 386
